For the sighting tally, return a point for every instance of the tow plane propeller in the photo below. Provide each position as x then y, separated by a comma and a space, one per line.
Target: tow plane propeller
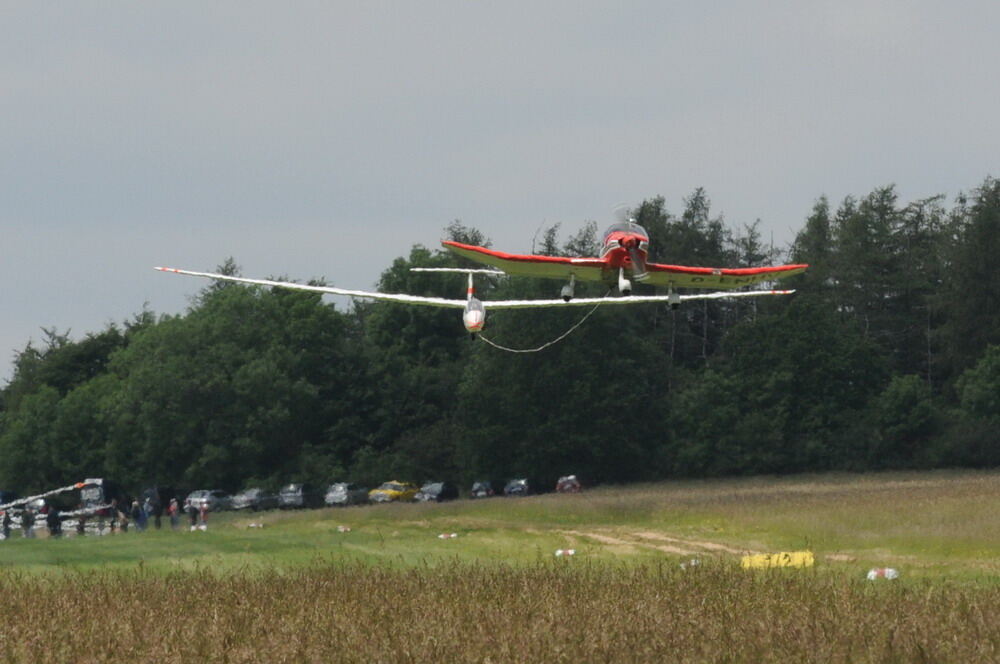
635, 246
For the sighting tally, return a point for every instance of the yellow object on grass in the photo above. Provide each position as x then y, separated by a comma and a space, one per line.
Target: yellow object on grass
780, 559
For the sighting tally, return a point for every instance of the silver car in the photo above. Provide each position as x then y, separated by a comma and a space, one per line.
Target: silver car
342, 493
214, 499
298, 496
255, 499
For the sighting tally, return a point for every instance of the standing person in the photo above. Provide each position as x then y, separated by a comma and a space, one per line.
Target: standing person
113, 513
123, 517
138, 516
6, 523
54, 522
28, 523
204, 516
152, 508
193, 513
174, 511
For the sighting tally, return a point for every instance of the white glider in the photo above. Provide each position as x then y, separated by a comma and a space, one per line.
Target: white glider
474, 310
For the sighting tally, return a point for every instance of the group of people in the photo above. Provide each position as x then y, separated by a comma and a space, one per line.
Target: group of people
115, 516
52, 516
140, 514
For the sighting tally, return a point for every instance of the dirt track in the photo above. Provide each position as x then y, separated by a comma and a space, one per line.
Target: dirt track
656, 541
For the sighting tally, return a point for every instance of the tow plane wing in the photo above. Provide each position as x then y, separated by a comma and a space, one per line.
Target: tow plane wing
679, 276
528, 265
599, 269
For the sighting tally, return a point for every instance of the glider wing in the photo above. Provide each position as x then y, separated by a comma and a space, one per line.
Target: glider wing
488, 304
392, 297
631, 299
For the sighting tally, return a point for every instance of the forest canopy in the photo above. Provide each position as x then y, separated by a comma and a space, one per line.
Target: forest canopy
888, 356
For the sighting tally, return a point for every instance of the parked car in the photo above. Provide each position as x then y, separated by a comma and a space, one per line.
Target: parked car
482, 489
215, 499
297, 496
344, 493
390, 491
437, 492
517, 487
568, 484
254, 499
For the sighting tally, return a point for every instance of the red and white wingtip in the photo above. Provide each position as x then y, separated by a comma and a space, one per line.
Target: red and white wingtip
167, 269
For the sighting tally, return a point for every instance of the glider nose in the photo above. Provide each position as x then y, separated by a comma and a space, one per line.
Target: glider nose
473, 321
474, 316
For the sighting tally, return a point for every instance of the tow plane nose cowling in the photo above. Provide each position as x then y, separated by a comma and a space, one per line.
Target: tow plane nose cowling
474, 316
627, 245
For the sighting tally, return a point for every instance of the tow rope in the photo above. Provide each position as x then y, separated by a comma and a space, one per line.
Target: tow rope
547, 344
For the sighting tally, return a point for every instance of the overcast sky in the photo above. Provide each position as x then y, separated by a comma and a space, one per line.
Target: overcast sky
314, 139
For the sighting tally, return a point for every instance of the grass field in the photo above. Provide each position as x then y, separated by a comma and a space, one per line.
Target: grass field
943, 524
388, 589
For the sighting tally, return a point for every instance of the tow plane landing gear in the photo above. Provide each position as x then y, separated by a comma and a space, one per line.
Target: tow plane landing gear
674, 299
568, 289
624, 285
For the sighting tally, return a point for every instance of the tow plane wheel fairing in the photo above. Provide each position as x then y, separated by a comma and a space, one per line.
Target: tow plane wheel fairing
624, 285
569, 289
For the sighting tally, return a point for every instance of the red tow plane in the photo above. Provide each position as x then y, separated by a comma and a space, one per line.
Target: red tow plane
622, 259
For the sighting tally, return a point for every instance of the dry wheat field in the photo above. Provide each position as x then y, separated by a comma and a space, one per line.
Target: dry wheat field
548, 612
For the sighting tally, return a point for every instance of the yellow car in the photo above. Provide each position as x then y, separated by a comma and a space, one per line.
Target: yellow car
393, 491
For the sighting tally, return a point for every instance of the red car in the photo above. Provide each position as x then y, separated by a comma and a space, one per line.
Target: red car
568, 484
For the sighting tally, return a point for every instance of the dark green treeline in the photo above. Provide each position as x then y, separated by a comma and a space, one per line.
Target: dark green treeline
887, 357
